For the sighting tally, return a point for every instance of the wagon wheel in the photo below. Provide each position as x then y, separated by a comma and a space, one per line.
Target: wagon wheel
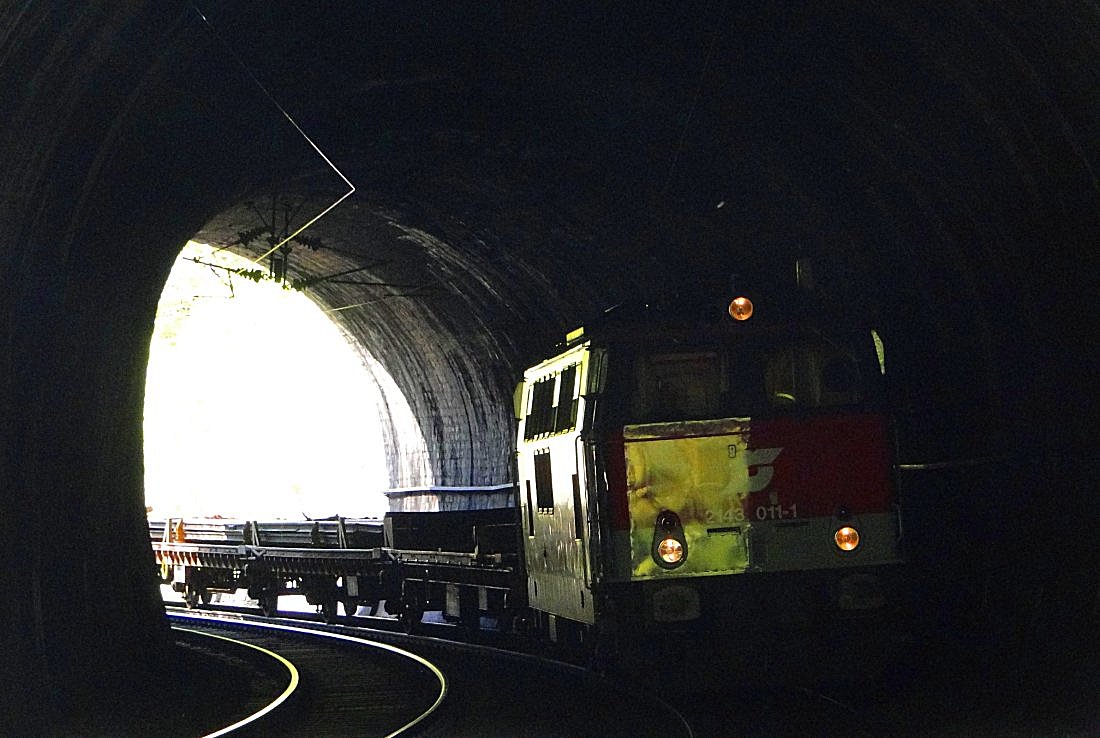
191, 598
269, 603
412, 610
350, 607
517, 623
328, 610
469, 617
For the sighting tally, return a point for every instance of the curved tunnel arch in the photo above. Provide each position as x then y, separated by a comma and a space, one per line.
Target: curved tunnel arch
258, 405
114, 159
444, 312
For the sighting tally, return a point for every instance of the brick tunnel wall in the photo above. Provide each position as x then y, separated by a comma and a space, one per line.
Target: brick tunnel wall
90, 202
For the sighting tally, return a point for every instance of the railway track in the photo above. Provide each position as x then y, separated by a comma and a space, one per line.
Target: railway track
344, 685
264, 681
496, 690
504, 686
489, 691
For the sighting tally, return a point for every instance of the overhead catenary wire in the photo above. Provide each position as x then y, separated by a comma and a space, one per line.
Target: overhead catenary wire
695, 99
281, 109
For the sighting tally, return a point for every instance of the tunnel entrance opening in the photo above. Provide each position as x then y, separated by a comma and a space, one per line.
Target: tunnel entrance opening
257, 405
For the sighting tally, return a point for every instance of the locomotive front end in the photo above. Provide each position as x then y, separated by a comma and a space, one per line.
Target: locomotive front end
713, 488
750, 483
732, 497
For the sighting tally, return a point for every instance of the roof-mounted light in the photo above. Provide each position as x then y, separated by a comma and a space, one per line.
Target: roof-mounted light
740, 308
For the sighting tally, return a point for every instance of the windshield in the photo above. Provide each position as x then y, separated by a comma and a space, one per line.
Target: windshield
758, 377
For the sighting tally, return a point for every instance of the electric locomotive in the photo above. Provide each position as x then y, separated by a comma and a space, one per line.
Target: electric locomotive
679, 485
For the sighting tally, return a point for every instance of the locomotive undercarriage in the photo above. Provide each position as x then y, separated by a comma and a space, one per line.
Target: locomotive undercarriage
790, 625
782, 626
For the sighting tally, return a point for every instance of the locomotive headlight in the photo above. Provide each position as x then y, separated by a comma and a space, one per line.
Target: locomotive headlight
669, 548
847, 538
671, 551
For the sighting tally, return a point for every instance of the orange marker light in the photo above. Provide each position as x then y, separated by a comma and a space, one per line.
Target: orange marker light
740, 308
670, 550
847, 538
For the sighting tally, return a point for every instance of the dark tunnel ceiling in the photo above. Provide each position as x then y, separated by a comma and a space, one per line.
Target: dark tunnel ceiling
521, 169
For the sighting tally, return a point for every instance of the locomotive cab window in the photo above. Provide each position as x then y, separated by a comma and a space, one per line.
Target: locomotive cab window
751, 378
812, 375
839, 374
681, 385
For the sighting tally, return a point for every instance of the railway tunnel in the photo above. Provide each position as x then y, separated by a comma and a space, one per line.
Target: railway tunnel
519, 171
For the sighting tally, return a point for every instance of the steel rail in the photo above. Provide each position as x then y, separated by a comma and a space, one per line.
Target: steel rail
440, 677
270, 707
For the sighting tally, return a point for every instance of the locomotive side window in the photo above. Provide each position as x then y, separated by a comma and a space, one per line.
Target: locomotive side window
530, 511
544, 481
552, 407
566, 417
540, 414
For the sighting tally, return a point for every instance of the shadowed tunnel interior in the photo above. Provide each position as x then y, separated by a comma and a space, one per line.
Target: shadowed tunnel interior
519, 171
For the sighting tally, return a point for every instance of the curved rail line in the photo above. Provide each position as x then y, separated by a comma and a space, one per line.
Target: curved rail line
274, 704
442, 679
242, 615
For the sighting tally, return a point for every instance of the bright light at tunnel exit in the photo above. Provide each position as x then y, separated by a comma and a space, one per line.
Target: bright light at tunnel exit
256, 404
